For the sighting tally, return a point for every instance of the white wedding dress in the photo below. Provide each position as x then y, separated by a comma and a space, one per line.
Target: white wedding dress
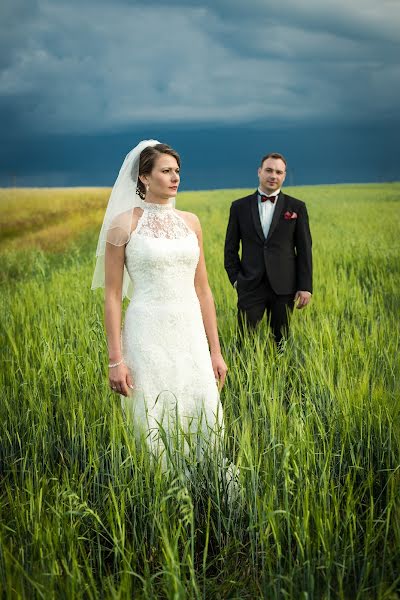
163, 338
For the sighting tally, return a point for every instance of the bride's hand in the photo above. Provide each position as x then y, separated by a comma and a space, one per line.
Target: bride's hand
220, 369
120, 380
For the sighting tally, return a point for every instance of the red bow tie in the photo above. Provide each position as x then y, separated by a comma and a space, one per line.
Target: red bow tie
265, 198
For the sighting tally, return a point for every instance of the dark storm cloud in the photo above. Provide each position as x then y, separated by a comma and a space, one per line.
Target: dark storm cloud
69, 67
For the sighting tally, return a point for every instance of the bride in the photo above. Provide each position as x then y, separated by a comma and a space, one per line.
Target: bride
167, 364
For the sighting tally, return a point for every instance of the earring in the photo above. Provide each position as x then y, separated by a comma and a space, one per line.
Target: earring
147, 187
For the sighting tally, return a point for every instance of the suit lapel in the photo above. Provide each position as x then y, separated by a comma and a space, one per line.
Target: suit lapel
280, 205
256, 215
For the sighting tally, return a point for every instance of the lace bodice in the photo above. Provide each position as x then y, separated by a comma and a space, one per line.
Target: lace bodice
161, 221
161, 256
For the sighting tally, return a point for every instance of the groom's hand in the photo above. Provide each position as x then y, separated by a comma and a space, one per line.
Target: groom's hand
302, 299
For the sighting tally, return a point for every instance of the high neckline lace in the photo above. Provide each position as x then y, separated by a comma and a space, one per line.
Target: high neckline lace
154, 207
161, 221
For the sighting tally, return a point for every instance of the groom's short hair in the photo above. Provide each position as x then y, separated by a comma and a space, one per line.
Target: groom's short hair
273, 155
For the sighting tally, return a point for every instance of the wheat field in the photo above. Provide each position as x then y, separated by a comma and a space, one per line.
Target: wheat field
85, 513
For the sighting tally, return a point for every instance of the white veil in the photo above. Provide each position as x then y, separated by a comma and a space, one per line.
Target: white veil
117, 223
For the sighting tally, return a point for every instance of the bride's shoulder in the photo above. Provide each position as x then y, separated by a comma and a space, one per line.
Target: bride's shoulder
136, 214
190, 219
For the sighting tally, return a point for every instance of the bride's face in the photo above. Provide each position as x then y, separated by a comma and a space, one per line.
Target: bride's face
164, 179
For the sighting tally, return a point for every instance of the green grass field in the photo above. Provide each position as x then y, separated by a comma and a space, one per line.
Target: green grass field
316, 431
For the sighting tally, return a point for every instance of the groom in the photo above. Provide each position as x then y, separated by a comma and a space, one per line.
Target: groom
275, 268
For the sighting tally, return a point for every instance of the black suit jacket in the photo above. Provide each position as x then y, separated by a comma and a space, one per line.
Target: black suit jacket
284, 257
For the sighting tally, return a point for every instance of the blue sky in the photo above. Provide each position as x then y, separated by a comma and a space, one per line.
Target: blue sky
223, 81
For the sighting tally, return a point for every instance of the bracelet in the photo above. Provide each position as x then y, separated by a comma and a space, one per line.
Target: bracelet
112, 365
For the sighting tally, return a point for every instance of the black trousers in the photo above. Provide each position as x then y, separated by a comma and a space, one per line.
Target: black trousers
278, 308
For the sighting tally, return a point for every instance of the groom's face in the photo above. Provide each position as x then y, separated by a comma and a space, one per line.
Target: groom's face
271, 175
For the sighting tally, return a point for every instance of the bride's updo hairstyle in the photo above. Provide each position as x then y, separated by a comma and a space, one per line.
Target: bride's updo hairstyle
147, 160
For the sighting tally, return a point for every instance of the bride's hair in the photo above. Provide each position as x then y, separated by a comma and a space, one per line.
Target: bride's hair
146, 163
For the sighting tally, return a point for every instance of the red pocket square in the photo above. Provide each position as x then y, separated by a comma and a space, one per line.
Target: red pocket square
289, 215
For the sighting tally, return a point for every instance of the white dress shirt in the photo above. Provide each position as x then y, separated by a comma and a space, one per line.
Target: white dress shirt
266, 210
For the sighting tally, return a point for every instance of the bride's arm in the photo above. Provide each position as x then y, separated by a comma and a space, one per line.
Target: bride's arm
207, 306
119, 376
